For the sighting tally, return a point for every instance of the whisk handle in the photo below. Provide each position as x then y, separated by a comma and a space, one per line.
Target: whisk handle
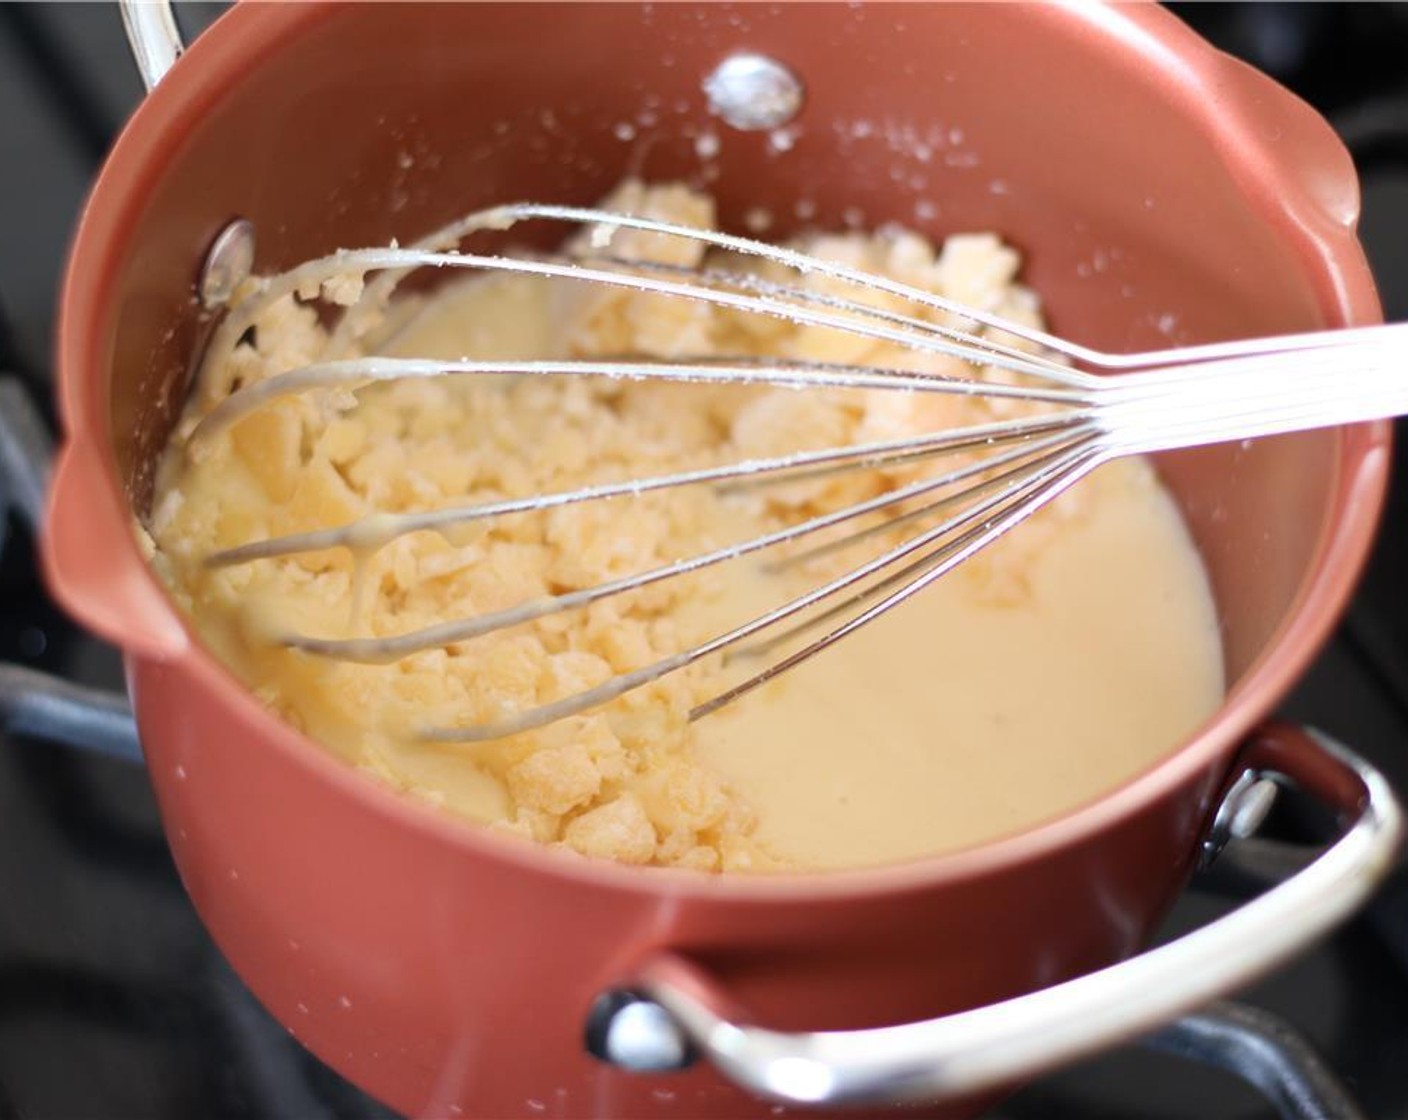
678, 1011
1294, 384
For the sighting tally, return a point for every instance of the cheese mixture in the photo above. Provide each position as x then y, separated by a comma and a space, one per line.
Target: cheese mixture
1060, 661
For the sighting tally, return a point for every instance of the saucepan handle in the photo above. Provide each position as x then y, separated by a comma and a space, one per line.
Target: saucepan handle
153, 36
673, 1011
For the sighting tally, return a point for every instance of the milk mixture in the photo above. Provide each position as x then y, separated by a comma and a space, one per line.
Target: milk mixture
1062, 660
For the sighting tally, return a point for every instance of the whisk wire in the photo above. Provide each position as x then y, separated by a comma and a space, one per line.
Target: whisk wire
1055, 477
340, 264
952, 554
1055, 372
381, 650
370, 533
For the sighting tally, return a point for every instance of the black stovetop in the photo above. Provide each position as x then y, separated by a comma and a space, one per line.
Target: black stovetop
113, 1001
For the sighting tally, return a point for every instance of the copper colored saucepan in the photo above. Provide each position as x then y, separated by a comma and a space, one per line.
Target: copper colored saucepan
1162, 193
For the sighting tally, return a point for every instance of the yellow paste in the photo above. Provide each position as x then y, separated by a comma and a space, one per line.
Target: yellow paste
1061, 661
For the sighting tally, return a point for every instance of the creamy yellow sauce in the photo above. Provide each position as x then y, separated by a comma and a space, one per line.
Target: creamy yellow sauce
955, 720
1059, 662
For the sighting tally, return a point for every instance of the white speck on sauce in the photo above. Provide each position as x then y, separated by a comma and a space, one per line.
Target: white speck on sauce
706, 145
344, 1003
180, 773
303, 1009
624, 131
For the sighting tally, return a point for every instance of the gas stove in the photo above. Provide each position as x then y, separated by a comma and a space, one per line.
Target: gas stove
113, 1000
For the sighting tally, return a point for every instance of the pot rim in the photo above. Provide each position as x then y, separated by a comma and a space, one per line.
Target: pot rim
1220, 93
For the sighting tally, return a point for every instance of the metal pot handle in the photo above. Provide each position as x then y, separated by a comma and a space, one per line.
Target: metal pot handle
153, 36
673, 1011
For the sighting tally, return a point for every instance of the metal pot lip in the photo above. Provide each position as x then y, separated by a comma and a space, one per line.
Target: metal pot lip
1196, 74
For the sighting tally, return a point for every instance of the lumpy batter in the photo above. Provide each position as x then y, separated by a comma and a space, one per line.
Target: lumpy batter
1060, 661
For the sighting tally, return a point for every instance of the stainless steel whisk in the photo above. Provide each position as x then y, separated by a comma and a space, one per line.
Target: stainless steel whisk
1009, 468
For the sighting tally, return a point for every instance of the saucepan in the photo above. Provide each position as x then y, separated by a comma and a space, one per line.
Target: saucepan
1161, 193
